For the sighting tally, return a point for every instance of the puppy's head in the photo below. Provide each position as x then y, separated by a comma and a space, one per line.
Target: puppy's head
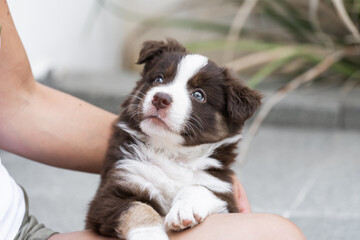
185, 98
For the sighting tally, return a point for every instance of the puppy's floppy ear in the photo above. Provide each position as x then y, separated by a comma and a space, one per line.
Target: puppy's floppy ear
242, 102
151, 49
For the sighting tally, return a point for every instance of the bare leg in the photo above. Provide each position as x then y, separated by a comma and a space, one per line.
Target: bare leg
239, 226
82, 235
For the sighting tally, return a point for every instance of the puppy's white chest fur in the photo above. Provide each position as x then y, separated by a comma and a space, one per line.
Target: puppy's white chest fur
162, 174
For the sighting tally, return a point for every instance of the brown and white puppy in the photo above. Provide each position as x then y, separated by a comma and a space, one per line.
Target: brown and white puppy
172, 146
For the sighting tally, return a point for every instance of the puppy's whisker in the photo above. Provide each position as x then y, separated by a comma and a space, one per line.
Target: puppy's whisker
197, 116
132, 108
136, 97
148, 85
134, 105
199, 122
198, 126
189, 127
143, 94
133, 115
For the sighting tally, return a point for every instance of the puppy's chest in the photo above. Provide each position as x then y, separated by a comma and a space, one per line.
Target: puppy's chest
161, 176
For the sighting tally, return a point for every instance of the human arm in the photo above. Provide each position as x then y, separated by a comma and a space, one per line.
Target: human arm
41, 123
56, 129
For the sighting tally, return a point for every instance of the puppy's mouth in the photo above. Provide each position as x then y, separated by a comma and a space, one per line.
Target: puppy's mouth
155, 119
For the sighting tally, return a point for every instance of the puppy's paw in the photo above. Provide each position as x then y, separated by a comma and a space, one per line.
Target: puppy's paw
191, 206
182, 215
148, 233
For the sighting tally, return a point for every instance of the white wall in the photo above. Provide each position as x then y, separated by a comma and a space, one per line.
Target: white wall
64, 35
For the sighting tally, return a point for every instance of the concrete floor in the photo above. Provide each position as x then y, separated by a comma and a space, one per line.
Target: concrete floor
311, 176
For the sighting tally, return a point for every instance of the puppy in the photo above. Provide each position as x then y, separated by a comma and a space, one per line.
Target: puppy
172, 146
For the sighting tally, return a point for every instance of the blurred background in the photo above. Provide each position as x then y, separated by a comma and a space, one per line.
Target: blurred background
300, 153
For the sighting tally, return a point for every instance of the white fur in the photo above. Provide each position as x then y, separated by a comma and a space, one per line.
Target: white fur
163, 172
159, 135
194, 204
148, 233
180, 107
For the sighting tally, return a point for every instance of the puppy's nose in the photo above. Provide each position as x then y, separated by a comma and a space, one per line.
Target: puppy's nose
161, 100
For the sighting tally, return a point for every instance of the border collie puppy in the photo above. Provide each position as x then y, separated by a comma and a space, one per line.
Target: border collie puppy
172, 146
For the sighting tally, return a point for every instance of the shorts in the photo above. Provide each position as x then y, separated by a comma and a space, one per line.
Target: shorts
30, 229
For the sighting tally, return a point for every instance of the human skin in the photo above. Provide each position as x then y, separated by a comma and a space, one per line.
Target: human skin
57, 129
41, 123
244, 226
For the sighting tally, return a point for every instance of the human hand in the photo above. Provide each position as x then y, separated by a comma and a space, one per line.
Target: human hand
241, 199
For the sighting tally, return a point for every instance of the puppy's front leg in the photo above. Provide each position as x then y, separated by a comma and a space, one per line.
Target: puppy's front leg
141, 222
138, 222
191, 206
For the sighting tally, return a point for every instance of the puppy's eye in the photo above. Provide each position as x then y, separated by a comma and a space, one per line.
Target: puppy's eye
158, 80
199, 95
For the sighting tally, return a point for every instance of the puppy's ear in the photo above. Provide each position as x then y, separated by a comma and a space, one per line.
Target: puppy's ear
151, 49
242, 102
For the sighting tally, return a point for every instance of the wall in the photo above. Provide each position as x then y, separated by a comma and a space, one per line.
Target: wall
68, 35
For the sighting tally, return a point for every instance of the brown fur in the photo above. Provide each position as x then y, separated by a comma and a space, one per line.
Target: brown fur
137, 215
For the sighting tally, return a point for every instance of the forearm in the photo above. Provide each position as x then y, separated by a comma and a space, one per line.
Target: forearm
57, 129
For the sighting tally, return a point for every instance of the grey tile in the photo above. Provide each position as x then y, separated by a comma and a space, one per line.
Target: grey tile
308, 170
328, 228
337, 188
351, 116
305, 112
279, 163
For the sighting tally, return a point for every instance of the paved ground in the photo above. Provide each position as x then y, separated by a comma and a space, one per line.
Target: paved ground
311, 176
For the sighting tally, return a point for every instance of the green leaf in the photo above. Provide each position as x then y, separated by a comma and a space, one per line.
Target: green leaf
295, 15
286, 22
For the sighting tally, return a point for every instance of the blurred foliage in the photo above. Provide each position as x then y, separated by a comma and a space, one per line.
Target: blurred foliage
285, 37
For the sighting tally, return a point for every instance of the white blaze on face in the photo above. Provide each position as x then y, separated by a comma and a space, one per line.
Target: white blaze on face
180, 108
